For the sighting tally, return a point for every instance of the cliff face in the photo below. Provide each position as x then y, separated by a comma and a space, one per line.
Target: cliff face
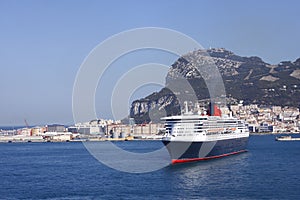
155, 106
246, 78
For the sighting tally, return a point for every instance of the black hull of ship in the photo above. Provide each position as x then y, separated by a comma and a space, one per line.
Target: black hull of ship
181, 151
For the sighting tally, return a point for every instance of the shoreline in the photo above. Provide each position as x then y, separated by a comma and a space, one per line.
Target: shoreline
269, 133
4, 139
34, 140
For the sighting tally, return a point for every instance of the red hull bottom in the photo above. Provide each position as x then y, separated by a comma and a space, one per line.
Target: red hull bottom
175, 161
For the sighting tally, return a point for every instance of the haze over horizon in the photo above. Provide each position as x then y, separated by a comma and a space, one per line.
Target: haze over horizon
43, 44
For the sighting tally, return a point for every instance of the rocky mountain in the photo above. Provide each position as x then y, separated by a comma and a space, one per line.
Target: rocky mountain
195, 76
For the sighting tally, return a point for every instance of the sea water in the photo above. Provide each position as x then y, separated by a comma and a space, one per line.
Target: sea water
269, 170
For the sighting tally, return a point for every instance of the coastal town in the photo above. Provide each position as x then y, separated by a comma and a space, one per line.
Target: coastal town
259, 119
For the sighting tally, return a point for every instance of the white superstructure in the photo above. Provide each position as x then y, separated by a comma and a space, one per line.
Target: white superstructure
189, 127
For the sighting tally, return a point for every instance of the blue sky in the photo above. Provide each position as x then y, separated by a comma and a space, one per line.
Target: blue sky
44, 42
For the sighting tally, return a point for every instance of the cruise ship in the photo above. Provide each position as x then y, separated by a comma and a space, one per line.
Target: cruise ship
189, 137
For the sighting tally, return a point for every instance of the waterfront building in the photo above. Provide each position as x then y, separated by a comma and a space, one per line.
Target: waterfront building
35, 131
86, 129
24, 131
266, 128
56, 128
252, 128
289, 114
276, 110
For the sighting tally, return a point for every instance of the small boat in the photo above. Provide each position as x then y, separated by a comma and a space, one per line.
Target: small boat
286, 138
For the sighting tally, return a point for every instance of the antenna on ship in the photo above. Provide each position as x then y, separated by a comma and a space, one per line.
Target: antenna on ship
186, 107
